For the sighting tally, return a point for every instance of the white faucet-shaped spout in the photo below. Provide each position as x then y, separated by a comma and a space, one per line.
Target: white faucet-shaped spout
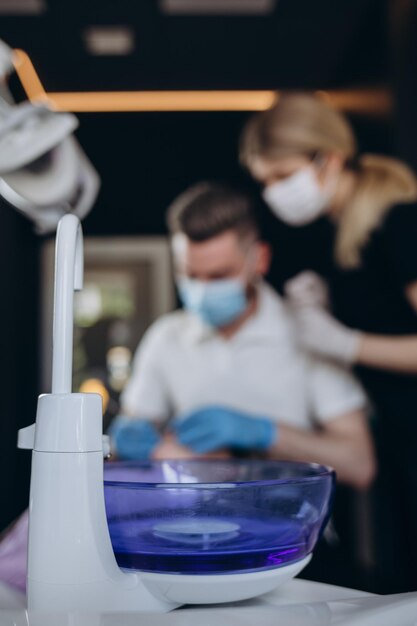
69, 274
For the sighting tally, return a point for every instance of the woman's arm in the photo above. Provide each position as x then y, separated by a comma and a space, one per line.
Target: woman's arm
320, 333
393, 353
397, 354
344, 443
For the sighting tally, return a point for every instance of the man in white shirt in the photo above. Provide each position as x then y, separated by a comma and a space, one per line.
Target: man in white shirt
226, 373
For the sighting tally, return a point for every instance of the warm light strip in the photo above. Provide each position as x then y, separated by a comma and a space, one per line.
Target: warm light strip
163, 101
368, 101
377, 102
28, 76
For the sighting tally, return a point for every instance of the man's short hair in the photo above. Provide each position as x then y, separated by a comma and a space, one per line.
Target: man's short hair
206, 210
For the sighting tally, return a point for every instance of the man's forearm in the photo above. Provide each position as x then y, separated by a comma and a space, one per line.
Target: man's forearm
354, 463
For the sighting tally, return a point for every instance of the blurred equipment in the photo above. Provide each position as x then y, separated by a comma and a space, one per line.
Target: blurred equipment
6, 63
217, 7
22, 7
94, 385
44, 173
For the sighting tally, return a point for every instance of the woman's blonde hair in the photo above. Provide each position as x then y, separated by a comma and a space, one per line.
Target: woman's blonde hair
305, 124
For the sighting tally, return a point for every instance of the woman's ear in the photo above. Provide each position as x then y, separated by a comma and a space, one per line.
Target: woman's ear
263, 261
331, 164
336, 161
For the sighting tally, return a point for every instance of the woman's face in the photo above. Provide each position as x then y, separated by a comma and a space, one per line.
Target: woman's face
267, 172
298, 189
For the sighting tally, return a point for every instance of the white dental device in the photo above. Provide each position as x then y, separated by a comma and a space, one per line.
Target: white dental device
71, 564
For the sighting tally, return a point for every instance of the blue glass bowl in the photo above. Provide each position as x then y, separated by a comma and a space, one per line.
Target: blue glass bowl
212, 517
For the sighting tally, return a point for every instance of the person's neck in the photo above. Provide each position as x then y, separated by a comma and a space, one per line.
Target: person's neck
227, 332
344, 191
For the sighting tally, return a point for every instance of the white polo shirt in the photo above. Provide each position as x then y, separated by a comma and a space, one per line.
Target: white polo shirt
182, 365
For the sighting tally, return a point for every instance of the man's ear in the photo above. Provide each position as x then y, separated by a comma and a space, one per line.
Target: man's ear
179, 246
264, 256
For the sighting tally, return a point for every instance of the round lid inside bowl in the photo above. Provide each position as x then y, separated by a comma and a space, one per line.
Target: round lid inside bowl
202, 531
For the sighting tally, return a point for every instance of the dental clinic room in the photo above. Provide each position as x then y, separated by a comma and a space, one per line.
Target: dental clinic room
208, 320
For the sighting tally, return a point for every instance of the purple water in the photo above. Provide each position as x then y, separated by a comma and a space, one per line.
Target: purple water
213, 545
201, 517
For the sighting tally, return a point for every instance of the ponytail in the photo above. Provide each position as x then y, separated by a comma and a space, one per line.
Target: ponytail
382, 182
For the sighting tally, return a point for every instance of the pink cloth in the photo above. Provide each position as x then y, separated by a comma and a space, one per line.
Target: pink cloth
13, 554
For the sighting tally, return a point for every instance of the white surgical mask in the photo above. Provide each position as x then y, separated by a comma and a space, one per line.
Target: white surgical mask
299, 199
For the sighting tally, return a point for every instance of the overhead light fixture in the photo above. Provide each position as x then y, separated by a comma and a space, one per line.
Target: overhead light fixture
217, 7
108, 101
22, 7
109, 40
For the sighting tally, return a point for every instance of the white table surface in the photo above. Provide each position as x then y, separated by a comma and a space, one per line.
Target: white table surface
298, 603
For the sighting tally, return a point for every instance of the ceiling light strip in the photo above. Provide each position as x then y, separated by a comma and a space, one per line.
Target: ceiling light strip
163, 101
376, 102
28, 75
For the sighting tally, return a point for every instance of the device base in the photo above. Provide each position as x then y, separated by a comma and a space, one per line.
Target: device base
216, 589
101, 596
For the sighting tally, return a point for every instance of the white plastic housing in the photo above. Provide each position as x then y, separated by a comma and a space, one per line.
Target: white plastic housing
212, 589
71, 564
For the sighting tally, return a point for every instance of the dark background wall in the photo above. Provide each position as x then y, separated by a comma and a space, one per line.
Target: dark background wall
18, 355
145, 159
300, 44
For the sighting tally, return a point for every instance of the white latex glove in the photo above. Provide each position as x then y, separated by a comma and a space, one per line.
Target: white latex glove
322, 334
307, 289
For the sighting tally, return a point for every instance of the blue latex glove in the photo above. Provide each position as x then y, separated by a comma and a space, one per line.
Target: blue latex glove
133, 439
213, 428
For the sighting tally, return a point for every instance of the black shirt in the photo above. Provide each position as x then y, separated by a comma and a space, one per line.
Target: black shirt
370, 298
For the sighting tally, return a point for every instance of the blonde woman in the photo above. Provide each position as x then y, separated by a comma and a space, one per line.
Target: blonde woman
304, 154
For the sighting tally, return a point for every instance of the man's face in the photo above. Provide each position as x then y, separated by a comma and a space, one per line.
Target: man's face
221, 257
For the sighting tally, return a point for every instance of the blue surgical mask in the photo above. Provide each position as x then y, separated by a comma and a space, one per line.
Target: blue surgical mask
216, 302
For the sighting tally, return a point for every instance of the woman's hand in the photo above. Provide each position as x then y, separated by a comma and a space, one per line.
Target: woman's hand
317, 330
322, 334
307, 289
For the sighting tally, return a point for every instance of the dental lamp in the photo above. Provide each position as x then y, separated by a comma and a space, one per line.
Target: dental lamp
44, 173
